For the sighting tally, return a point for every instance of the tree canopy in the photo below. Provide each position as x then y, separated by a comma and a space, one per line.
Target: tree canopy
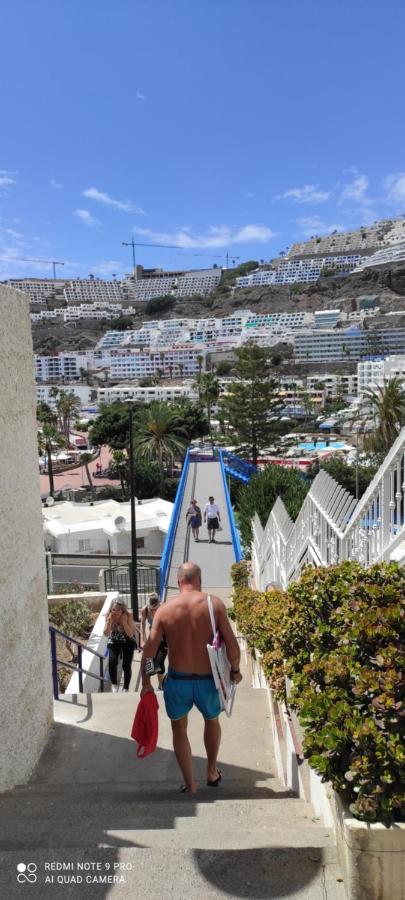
250, 398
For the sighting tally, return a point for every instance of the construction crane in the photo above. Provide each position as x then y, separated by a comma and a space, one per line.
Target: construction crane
51, 262
134, 244
228, 256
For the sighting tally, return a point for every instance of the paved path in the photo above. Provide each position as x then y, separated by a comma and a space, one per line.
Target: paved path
77, 478
204, 479
91, 801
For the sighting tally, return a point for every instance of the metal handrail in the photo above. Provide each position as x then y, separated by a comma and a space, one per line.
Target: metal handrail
168, 547
237, 549
76, 668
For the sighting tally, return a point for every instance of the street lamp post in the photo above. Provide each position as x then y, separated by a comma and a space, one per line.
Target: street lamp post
134, 556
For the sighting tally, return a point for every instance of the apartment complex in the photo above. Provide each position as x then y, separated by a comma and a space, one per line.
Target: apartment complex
158, 282
302, 270
166, 393
320, 345
372, 373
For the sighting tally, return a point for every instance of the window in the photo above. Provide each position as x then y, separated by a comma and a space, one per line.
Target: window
84, 544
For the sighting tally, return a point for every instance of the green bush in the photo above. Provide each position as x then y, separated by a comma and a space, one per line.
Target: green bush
73, 617
337, 635
260, 495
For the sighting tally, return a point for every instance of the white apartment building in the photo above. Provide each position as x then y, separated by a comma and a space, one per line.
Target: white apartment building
93, 289
179, 284
393, 252
179, 360
345, 344
326, 318
82, 391
304, 270
373, 373
172, 393
61, 365
38, 289
333, 385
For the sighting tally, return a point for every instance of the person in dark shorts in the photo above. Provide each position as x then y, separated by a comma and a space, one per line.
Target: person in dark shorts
212, 518
194, 519
147, 615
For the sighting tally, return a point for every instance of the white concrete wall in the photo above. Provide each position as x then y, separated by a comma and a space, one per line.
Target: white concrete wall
25, 674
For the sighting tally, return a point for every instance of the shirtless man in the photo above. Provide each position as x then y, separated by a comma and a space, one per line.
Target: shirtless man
185, 622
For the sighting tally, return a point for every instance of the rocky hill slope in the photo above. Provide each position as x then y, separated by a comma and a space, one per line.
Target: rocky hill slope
382, 286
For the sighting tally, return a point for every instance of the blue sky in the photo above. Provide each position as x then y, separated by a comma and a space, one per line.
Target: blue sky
213, 125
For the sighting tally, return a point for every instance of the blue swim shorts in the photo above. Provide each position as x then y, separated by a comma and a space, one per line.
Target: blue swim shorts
183, 690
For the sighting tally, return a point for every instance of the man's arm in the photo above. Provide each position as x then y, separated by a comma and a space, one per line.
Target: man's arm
231, 644
150, 650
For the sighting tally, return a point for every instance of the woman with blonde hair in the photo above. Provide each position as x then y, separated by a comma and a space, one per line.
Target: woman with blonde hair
121, 631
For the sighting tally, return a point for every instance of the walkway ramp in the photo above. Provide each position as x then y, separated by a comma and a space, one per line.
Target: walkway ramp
203, 479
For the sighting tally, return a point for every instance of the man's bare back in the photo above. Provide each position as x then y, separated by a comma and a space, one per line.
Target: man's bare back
186, 624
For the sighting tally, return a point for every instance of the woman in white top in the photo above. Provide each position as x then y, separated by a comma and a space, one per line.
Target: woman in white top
212, 518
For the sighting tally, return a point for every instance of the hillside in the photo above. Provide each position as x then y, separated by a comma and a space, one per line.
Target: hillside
383, 285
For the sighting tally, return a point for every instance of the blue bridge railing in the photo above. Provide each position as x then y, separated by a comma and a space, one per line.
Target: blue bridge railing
171, 534
237, 548
236, 467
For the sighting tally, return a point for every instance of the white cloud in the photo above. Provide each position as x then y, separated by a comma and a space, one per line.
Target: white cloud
103, 197
140, 96
216, 236
55, 184
309, 193
355, 190
5, 181
395, 187
249, 195
311, 225
108, 267
84, 216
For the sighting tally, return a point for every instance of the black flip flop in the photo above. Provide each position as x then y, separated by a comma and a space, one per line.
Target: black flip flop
216, 781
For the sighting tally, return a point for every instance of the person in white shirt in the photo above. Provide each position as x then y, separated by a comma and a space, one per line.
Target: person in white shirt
212, 518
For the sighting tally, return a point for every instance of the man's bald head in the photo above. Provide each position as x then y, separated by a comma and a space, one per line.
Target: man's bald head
189, 573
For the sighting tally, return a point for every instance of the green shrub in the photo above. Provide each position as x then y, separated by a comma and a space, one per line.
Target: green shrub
73, 617
337, 635
347, 669
260, 495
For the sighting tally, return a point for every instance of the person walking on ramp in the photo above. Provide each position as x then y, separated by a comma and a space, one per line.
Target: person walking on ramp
186, 624
212, 518
193, 518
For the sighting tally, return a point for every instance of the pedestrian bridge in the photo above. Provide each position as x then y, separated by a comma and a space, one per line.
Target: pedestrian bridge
203, 475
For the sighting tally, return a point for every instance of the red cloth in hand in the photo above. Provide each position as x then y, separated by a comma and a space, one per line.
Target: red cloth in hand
146, 726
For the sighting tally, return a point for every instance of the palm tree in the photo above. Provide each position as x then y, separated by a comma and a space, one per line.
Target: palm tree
85, 459
388, 410
120, 465
200, 360
68, 406
158, 436
49, 439
209, 393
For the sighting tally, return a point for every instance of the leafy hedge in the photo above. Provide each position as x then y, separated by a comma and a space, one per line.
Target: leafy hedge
260, 495
337, 635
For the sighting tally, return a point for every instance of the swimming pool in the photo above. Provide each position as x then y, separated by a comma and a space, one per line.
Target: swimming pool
321, 445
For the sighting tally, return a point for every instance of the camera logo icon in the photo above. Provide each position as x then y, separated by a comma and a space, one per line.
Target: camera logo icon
27, 873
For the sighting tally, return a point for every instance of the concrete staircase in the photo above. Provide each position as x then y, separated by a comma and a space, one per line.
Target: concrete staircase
92, 802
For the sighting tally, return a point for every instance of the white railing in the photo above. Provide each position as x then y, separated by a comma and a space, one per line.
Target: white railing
332, 527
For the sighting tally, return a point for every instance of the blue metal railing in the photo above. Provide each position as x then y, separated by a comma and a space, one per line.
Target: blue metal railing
237, 548
237, 467
168, 547
76, 668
